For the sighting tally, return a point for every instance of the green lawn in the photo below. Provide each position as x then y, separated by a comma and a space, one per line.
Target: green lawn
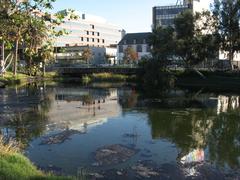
15, 166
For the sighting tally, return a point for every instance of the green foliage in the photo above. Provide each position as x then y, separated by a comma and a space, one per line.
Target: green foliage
17, 167
130, 55
28, 24
193, 42
227, 14
162, 42
156, 77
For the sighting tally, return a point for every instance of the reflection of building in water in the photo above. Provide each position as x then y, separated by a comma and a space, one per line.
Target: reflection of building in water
79, 108
226, 103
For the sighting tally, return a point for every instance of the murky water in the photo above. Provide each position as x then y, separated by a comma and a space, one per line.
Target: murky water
117, 132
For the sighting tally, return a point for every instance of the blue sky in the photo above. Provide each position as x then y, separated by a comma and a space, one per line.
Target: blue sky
131, 15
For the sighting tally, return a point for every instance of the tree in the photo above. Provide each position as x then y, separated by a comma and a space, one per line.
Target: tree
227, 14
87, 55
46, 54
162, 43
130, 55
27, 24
194, 42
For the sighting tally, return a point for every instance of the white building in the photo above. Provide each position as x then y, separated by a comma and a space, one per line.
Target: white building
138, 41
90, 31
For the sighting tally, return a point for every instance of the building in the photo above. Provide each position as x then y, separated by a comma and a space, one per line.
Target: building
72, 55
165, 15
138, 41
90, 31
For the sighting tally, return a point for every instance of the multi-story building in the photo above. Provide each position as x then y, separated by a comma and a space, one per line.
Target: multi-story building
138, 41
91, 31
165, 15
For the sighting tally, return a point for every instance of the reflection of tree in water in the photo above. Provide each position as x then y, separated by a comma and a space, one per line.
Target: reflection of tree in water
187, 131
30, 122
128, 98
201, 129
224, 141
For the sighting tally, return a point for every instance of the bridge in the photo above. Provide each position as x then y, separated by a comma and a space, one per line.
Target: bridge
81, 71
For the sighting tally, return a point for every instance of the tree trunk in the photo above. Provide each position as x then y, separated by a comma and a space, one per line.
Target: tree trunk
3, 58
16, 57
231, 57
44, 68
30, 66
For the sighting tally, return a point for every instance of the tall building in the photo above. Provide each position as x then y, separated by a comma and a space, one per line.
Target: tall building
89, 30
165, 15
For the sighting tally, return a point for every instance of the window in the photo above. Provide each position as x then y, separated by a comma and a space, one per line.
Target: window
92, 26
82, 39
98, 40
103, 41
144, 41
87, 32
92, 39
120, 49
134, 41
139, 48
148, 48
87, 39
98, 34
93, 33
125, 42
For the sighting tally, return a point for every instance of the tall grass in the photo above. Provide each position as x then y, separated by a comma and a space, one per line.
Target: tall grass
8, 146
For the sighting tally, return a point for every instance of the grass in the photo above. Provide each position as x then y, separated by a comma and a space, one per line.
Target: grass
9, 78
15, 166
51, 75
107, 77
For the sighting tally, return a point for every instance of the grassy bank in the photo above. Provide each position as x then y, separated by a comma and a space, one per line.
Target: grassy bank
15, 166
10, 79
107, 77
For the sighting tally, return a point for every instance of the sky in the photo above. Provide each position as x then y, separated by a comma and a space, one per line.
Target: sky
131, 15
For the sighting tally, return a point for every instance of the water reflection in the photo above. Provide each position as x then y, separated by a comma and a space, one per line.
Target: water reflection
181, 126
78, 108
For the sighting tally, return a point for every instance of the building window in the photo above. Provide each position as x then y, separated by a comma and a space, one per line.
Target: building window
120, 49
125, 42
148, 48
103, 41
92, 39
93, 33
92, 26
139, 48
134, 41
87, 39
98, 34
98, 40
87, 32
82, 39
144, 41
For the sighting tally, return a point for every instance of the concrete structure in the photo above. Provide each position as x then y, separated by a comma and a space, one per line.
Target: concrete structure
72, 55
138, 41
90, 31
165, 15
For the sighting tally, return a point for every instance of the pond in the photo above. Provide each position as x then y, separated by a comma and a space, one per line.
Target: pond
111, 132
